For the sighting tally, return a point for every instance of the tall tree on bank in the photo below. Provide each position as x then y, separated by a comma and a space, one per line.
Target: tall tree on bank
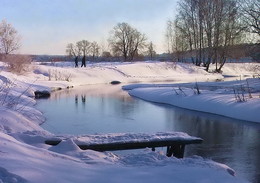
126, 41
250, 10
176, 44
9, 38
74, 51
209, 28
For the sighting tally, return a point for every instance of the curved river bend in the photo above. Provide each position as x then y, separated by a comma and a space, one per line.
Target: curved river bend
107, 109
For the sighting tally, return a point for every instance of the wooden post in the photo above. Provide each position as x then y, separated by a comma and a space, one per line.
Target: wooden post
169, 151
182, 150
175, 150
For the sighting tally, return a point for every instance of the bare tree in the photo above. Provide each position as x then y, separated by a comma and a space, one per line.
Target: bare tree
151, 51
176, 40
84, 46
170, 35
251, 15
119, 40
209, 28
94, 49
137, 44
230, 32
188, 26
9, 38
74, 51
126, 41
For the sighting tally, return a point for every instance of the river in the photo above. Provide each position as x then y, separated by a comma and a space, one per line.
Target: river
95, 109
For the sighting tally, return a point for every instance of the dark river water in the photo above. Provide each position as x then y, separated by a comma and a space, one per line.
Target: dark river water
107, 109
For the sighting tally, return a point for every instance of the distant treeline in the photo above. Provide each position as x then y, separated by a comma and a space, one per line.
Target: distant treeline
236, 53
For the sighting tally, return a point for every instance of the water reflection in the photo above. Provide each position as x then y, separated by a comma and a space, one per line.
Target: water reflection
226, 140
108, 109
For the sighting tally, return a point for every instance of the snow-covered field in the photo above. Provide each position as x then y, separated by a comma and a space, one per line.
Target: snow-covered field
25, 158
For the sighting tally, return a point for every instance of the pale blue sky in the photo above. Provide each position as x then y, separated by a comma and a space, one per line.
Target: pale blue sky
46, 26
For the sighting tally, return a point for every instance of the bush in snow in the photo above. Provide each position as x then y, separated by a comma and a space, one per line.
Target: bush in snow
241, 91
17, 63
239, 94
58, 75
196, 89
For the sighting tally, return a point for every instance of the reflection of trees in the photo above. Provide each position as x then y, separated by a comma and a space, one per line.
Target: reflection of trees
226, 140
126, 106
59, 94
120, 106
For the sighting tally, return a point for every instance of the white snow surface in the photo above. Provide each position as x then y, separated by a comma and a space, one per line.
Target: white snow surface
25, 158
132, 137
216, 98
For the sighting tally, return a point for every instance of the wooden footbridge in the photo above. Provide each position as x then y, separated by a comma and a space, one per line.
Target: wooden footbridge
174, 141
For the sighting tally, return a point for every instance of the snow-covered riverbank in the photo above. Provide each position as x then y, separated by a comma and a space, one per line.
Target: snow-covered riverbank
235, 99
25, 158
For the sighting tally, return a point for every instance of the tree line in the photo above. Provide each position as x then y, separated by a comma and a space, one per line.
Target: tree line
82, 48
125, 41
206, 30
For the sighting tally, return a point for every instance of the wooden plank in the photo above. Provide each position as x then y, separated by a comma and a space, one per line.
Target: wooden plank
136, 145
129, 145
175, 142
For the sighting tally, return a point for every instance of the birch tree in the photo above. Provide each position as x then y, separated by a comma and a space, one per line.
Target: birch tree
209, 28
